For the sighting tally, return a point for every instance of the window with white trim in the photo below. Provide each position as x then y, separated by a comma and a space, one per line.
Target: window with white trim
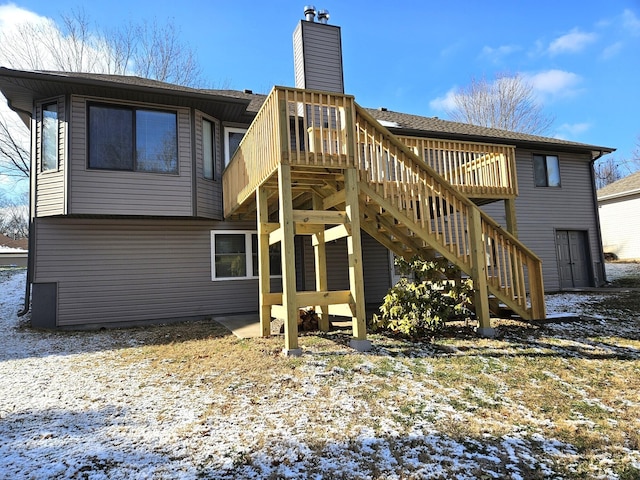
232, 138
234, 256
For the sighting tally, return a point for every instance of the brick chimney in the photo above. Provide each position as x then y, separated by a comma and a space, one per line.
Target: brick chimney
317, 52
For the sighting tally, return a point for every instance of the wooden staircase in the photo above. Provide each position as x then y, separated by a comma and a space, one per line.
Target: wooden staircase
329, 169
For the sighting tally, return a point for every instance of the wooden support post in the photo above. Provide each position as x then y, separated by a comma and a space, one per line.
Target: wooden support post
510, 215
287, 226
354, 250
320, 256
479, 274
512, 228
538, 308
264, 274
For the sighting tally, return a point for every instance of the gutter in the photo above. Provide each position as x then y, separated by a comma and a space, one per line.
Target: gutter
612, 196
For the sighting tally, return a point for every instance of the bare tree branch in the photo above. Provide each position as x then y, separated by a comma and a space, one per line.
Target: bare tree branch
14, 155
14, 217
150, 50
606, 171
158, 47
508, 103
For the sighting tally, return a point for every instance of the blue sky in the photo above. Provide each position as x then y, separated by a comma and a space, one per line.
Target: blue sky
582, 57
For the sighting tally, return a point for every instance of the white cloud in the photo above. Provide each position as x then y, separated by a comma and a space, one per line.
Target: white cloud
32, 42
631, 22
496, 54
612, 50
555, 83
572, 130
444, 103
573, 42
12, 16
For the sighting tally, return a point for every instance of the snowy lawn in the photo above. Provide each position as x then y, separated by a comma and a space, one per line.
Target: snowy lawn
558, 400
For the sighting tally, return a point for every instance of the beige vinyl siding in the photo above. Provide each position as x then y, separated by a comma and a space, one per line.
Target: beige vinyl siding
208, 192
543, 210
620, 223
128, 271
318, 57
51, 185
129, 193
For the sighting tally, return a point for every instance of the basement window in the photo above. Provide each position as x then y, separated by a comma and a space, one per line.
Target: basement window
546, 170
234, 256
133, 139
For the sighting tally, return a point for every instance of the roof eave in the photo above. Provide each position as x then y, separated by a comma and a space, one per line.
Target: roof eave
188, 95
593, 150
613, 196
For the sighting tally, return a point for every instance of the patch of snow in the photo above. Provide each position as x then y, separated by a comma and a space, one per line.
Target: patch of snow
70, 409
618, 270
5, 249
387, 123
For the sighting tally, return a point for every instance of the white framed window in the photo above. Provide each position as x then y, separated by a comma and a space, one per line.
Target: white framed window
232, 138
234, 255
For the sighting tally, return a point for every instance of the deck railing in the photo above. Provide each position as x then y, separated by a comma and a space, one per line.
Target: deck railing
256, 158
477, 169
421, 196
320, 131
295, 127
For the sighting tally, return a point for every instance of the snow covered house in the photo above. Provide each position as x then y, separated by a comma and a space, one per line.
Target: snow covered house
152, 201
619, 207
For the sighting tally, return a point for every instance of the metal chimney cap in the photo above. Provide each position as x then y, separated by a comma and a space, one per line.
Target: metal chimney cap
309, 13
323, 16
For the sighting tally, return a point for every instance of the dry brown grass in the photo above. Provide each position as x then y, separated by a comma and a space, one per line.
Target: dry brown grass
579, 386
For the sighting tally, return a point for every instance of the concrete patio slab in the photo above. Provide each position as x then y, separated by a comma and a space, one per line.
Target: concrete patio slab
242, 326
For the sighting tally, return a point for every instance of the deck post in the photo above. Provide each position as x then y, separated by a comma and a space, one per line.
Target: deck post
479, 274
289, 300
264, 273
354, 250
320, 257
538, 308
510, 215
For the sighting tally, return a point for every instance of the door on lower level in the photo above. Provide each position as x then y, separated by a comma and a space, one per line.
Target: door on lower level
572, 247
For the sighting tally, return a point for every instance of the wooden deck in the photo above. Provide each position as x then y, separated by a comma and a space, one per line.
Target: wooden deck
315, 163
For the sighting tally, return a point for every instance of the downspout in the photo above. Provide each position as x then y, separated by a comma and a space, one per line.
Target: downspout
27, 288
32, 241
603, 270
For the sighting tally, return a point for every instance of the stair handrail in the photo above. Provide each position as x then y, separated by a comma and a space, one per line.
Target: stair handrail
490, 228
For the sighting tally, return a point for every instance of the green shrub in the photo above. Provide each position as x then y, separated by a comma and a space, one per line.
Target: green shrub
420, 307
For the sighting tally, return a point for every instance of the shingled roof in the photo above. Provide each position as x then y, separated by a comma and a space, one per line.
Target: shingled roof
407, 124
433, 126
625, 186
250, 103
